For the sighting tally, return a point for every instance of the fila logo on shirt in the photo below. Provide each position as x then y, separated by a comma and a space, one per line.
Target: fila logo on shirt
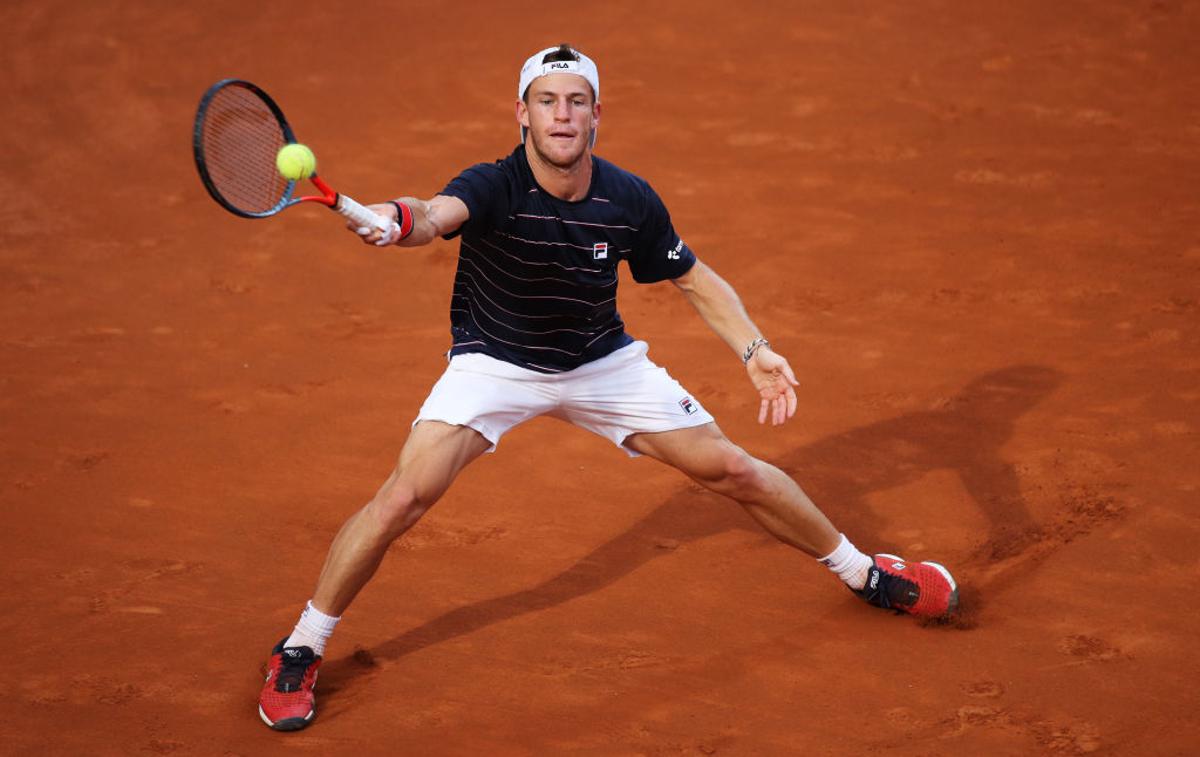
688, 406
600, 251
674, 254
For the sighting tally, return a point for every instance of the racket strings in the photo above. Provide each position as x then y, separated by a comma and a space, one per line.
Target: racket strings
241, 136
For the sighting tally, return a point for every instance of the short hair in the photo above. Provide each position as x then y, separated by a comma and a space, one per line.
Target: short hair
564, 53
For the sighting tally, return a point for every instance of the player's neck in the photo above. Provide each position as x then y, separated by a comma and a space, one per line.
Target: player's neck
570, 183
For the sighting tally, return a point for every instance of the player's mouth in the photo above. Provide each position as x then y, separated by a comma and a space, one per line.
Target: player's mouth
563, 135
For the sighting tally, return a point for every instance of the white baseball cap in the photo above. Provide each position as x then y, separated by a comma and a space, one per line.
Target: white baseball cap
534, 67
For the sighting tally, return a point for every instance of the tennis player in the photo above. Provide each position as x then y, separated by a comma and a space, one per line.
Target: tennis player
535, 331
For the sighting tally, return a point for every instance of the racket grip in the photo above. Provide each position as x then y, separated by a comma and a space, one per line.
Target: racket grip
363, 217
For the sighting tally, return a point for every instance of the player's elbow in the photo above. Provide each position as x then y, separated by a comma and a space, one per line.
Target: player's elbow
693, 279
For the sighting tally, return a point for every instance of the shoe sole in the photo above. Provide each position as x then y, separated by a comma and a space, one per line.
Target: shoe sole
287, 724
952, 602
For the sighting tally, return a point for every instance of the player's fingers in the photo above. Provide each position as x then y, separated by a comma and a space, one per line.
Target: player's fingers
387, 237
780, 410
791, 402
762, 411
791, 377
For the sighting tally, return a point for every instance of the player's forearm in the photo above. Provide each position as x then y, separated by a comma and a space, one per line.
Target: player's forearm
719, 305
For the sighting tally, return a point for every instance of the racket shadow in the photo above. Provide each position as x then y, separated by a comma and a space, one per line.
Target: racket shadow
963, 434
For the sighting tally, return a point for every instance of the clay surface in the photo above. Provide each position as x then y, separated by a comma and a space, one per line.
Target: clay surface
972, 228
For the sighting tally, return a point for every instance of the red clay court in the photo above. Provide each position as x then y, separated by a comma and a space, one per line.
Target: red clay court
971, 227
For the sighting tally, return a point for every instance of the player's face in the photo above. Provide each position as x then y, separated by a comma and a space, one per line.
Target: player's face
560, 114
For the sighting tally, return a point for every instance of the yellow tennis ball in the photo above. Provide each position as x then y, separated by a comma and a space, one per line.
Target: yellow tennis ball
295, 162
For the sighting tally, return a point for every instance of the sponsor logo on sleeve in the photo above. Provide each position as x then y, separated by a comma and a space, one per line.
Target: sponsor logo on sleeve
600, 251
688, 406
673, 254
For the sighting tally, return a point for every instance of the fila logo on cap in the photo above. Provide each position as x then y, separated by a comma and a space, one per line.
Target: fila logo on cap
600, 251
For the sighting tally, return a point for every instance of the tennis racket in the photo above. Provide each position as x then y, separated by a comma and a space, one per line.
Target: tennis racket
239, 130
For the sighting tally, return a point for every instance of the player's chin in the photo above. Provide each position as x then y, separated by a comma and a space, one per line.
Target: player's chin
563, 153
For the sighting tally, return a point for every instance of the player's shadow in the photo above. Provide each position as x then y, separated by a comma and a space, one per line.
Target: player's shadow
964, 434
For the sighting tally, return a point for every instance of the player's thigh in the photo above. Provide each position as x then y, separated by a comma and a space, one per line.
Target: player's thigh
432, 457
703, 453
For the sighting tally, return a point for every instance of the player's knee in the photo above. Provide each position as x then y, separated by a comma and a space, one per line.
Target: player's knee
397, 507
734, 472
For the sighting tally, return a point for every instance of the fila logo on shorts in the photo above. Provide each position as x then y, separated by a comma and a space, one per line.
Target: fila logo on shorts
688, 406
600, 251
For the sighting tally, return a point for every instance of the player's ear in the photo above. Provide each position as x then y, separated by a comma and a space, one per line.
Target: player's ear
595, 115
522, 114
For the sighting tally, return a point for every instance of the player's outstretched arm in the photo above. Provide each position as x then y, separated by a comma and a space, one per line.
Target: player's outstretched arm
722, 309
420, 221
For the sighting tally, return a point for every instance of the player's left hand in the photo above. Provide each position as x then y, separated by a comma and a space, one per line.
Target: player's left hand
774, 380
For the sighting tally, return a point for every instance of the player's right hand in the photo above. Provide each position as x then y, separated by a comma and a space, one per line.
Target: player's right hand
373, 236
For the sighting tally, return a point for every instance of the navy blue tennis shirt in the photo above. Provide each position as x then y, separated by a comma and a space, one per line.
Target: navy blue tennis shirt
536, 284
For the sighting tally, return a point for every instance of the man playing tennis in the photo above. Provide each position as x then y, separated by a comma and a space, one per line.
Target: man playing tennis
536, 331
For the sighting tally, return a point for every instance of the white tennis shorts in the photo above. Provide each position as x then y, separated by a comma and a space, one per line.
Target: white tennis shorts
620, 394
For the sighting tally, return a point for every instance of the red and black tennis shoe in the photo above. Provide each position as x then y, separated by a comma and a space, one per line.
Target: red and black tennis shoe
924, 589
286, 702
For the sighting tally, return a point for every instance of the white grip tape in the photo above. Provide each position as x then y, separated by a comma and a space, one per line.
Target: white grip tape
363, 217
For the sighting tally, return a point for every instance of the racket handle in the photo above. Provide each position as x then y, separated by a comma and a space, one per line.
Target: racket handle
363, 217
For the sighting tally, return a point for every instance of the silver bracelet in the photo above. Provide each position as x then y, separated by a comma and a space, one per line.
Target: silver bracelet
753, 348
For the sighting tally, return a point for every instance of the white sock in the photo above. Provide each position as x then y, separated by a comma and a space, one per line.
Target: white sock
312, 630
849, 564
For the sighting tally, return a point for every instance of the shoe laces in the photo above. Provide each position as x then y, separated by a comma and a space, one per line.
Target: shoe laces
292, 669
891, 591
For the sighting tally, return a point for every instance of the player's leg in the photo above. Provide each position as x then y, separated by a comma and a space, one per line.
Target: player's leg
475, 402
432, 457
776, 501
628, 399
471, 406
771, 497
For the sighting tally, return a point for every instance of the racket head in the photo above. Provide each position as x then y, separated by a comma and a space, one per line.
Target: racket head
239, 130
